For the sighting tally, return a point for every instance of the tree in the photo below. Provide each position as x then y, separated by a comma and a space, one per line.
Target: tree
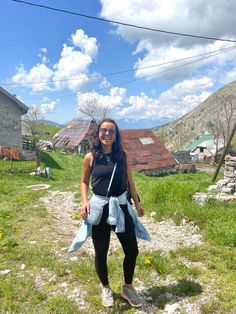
33, 117
221, 124
213, 127
226, 122
91, 107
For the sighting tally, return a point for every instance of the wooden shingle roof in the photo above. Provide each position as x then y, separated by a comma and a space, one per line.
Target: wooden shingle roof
73, 134
145, 151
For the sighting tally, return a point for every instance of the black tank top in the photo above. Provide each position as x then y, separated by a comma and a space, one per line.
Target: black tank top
101, 174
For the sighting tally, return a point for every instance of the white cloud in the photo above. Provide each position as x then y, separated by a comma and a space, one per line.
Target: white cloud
88, 45
142, 106
184, 96
187, 87
48, 107
71, 71
42, 55
72, 65
186, 16
168, 59
192, 17
114, 100
105, 83
173, 103
39, 73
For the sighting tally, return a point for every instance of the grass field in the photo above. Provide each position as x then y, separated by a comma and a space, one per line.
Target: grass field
47, 131
27, 246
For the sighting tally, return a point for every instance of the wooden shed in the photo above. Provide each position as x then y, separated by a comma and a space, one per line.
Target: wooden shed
147, 154
76, 137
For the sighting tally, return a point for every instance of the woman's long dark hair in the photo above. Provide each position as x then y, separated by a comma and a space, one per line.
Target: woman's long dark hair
117, 149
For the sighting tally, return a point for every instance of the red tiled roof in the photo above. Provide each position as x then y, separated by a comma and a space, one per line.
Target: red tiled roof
146, 157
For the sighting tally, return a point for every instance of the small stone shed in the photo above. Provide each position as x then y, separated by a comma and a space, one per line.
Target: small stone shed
11, 110
76, 137
147, 154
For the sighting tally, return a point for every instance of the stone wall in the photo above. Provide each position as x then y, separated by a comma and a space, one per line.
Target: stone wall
230, 168
224, 189
10, 123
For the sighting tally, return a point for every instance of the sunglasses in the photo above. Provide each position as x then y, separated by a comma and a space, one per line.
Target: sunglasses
110, 131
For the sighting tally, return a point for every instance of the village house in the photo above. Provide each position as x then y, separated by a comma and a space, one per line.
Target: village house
205, 148
11, 110
146, 153
76, 137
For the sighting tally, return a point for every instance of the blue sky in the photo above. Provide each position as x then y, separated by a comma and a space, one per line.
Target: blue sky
64, 51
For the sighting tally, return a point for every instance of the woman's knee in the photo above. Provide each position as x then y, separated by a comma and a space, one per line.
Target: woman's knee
132, 253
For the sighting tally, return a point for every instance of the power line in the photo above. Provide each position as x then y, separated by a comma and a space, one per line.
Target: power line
124, 71
167, 70
122, 23
144, 77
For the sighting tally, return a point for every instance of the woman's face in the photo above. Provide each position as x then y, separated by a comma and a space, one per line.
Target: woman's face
107, 133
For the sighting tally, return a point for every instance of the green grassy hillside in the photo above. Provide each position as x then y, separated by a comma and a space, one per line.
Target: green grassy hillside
33, 251
47, 131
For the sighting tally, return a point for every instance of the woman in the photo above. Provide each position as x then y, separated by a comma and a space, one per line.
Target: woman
98, 165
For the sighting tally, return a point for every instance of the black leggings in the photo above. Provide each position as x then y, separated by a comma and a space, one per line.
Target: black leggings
101, 239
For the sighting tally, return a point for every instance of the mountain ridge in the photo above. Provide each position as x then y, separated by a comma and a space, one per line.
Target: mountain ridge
184, 130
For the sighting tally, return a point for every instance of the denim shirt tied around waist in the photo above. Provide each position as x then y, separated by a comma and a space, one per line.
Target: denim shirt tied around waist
115, 218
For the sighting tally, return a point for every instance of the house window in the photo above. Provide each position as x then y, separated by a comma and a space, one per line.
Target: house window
201, 149
146, 140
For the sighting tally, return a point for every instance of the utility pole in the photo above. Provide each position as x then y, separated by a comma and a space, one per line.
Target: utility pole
224, 152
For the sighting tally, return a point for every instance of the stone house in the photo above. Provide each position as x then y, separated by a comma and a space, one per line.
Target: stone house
11, 110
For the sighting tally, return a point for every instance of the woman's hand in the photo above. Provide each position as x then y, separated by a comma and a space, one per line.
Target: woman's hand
140, 210
84, 210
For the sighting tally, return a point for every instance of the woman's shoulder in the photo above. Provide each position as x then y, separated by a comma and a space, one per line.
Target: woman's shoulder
88, 155
88, 158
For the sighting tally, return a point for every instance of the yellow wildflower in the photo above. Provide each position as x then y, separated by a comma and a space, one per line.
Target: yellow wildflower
148, 261
77, 215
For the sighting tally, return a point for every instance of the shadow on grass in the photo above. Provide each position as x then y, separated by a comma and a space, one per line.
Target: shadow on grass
49, 161
165, 294
161, 295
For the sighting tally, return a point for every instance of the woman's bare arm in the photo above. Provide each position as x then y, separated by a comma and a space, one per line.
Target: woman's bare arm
84, 186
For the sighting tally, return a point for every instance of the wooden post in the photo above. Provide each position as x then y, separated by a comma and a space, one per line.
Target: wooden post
224, 153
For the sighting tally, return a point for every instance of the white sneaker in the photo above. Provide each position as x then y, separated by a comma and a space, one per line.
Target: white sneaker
107, 297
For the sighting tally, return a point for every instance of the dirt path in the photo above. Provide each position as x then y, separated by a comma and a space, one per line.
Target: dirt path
166, 236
